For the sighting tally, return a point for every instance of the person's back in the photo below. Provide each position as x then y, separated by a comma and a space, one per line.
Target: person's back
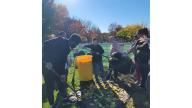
56, 51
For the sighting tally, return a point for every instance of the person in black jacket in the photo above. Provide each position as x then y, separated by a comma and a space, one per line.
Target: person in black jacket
97, 52
55, 52
142, 54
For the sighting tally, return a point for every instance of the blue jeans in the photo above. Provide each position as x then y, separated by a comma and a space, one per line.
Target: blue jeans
98, 70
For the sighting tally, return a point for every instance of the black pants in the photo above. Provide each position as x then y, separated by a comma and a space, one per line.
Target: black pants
50, 81
145, 68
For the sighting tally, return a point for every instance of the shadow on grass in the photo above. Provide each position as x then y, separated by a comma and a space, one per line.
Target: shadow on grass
94, 98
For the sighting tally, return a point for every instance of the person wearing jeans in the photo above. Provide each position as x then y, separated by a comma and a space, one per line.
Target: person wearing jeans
98, 70
97, 52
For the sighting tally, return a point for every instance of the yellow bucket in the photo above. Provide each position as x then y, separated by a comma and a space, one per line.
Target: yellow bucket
85, 69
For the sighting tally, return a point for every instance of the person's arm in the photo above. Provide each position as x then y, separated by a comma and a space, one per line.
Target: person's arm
101, 51
131, 50
88, 46
133, 47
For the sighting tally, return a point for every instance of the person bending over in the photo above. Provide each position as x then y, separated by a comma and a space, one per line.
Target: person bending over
55, 52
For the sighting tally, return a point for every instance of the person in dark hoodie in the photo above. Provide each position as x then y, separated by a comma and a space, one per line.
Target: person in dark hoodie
97, 52
142, 54
55, 52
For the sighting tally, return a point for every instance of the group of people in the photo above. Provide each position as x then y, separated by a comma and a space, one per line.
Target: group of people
57, 49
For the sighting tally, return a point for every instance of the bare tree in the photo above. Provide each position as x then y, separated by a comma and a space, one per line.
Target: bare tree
113, 28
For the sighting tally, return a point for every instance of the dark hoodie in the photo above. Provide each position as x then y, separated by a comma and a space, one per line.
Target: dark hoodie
94, 49
56, 51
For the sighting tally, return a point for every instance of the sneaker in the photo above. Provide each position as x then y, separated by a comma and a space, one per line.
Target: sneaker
71, 100
71, 93
78, 93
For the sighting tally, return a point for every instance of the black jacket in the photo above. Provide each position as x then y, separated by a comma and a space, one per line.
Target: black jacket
143, 52
94, 49
56, 51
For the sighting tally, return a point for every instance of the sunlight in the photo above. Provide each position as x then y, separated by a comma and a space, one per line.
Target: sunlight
71, 0
66, 1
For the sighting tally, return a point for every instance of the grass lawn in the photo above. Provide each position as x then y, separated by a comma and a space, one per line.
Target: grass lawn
139, 98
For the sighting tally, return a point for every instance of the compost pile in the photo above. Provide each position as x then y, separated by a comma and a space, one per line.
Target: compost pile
105, 95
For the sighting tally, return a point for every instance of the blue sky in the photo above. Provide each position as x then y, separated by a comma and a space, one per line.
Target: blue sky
104, 12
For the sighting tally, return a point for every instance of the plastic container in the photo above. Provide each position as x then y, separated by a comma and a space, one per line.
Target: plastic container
85, 69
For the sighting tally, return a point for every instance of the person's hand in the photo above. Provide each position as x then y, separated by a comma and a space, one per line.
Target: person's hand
62, 78
144, 39
49, 66
141, 39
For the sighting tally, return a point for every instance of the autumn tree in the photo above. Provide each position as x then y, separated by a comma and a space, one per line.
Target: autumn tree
60, 16
89, 29
56, 18
53, 16
95, 32
77, 27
